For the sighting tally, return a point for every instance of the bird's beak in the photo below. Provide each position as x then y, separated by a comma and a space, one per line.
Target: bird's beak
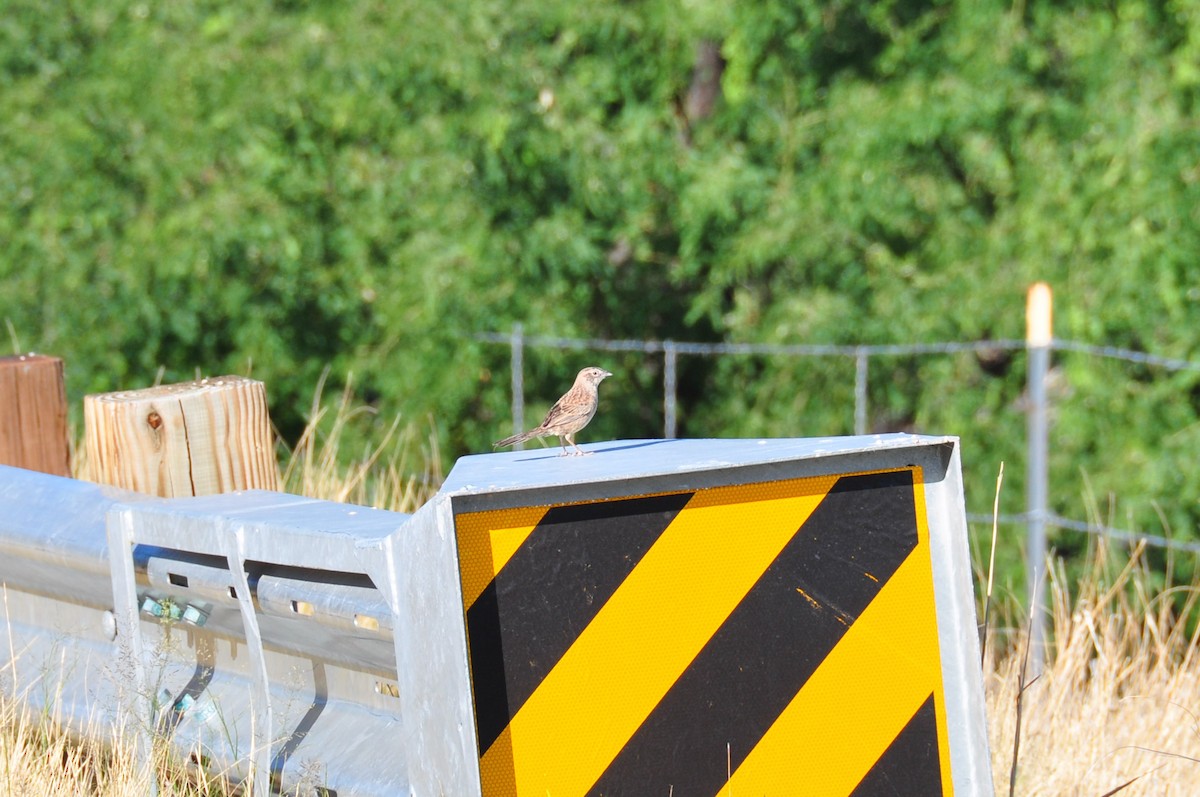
607, 374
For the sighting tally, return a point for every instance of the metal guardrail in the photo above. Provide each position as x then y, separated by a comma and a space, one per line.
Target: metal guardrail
256, 632
316, 648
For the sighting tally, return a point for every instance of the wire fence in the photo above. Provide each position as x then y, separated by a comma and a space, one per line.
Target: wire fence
861, 355
1130, 538
671, 350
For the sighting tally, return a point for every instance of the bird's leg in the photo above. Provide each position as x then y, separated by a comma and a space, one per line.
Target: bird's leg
579, 452
562, 442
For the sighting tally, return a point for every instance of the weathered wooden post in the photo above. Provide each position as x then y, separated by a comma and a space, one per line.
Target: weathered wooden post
33, 414
194, 438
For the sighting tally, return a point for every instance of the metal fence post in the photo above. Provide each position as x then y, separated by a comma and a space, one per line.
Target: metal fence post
1038, 339
860, 390
518, 381
669, 357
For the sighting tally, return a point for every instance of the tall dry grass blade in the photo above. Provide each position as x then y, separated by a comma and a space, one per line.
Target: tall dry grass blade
1123, 786
987, 600
1163, 753
1022, 686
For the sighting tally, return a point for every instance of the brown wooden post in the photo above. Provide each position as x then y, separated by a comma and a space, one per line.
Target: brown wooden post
33, 414
194, 438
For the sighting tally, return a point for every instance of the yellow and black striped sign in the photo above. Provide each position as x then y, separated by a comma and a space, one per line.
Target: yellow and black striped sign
776, 638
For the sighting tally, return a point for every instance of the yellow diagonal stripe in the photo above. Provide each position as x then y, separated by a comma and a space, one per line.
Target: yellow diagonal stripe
566, 734
487, 540
859, 699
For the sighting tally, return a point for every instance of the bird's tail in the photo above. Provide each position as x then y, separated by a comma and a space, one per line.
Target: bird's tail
517, 438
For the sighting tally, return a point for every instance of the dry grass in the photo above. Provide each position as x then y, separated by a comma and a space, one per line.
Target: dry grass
400, 472
40, 758
1119, 703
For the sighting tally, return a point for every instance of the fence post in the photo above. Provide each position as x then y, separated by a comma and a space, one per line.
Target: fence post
860, 390
669, 356
33, 414
518, 381
1038, 339
205, 437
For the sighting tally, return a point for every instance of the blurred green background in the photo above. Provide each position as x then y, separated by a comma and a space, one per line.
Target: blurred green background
275, 188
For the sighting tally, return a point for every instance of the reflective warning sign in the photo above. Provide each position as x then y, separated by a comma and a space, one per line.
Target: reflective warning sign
776, 638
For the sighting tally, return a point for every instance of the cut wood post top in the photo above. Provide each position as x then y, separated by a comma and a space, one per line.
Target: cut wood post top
203, 437
12, 360
33, 414
179, 389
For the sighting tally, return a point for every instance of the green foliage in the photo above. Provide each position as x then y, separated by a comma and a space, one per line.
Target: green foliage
278, 187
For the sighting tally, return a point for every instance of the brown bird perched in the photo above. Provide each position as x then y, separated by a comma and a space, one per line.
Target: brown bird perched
569, 414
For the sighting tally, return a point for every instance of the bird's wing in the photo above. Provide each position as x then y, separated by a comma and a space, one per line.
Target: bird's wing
565, 406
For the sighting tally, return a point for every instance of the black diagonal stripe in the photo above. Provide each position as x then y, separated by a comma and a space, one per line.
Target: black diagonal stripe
772, 642
911, 764
548, 592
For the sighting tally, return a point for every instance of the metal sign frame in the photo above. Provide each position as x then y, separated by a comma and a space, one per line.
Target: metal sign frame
517, 490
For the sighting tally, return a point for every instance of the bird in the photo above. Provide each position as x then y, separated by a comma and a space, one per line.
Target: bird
569, 414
